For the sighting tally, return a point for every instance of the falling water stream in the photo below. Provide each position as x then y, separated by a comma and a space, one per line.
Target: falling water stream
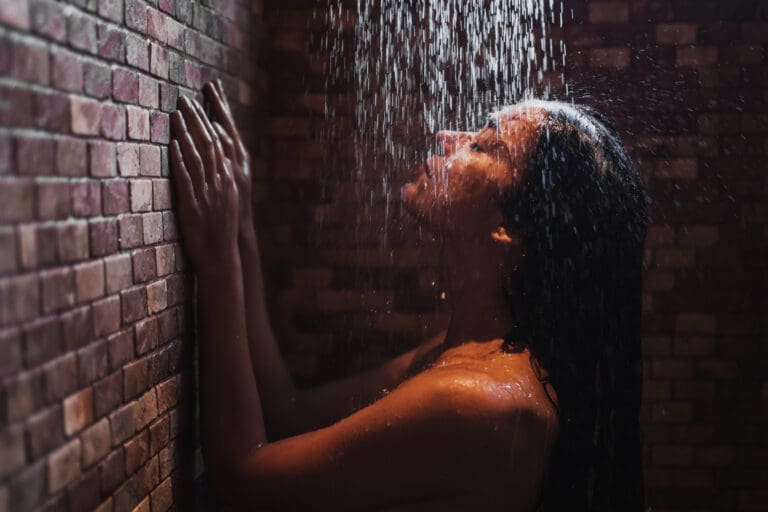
420, 66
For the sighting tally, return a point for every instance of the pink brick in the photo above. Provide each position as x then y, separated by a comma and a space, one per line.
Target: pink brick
137, 52
89, 281
146, 336
119, 272
113, 122
111, 44
138, 123
696, 56
161, 194
116, 197
15, 14
143, 265
125, 85
67, 72
103, 161
71, 157
82, 32
98, 80
106, 316
131, 231
86, 116
158, 60
103, 234
30, 63
141, 195
165, 259
20, 298
86, 199
134, 304
35, 156
157, 25
73, 241
150, 160
175, 34
53, 112
170, 228
159, 127
48, 19
54, 200
112, 10
157, 296
16, 200
8, 249
96, 442
128, 159
153, 228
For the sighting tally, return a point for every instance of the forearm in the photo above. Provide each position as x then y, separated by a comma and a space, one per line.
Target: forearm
231, 416
278, 393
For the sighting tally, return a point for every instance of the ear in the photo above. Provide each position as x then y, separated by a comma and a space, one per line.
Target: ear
501, 236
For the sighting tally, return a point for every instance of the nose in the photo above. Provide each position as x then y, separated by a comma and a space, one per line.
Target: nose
450, 141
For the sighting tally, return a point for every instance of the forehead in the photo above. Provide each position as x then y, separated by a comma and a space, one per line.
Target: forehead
518, 123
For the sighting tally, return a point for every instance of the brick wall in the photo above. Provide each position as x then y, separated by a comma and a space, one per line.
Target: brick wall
95, 346
685, 81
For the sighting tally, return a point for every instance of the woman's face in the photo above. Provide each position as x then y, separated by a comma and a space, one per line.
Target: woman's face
457, 191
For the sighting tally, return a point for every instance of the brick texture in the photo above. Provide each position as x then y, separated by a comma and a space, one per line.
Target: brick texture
94, 298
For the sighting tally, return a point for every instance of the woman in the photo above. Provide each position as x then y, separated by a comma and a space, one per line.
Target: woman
529, 400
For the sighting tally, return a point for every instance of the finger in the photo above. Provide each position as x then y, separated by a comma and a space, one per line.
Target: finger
191, 157
202, 139
184, 187
224, 116
213, 134
226, 141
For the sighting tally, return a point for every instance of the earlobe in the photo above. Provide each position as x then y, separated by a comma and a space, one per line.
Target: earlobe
501, 236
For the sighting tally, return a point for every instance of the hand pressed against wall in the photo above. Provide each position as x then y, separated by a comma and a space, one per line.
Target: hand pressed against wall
205, 184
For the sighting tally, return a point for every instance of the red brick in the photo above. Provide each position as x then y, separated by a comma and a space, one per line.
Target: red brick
146, 409
141, 195
10, 352
138, 123
135, 378
674, 258
111, 44
84, 493
157, 296
96, 443
12, 457
165, 260
115, 196
158, 61
695, 323
15, 14
53, 112
54, 200
77, 327
672, 412
696, 56
681, 169
676, 34
35, 156
137, 52
136, 452
58, 289
103, 158
128, 158
106, 316
168, 394
60, 377
45, 431
112, 10
118, 271
134, 303
125, 85
16, 200
159, 434
20, 298
64, 466
71, 157
103, 234
146, 336
672, 368
82, 32
86, 116
113, 122
150, 160
108, 393
92, 362
153, 228
78, 411
143, 265
30, 62
42, 341
112, 471
8, 249
73, 241
131, 231
67, 71
98, 80
159, 127
148, 92
615, 58
86, 199
28, 488
48, 19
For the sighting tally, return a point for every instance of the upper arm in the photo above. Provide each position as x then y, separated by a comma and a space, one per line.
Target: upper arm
415, 443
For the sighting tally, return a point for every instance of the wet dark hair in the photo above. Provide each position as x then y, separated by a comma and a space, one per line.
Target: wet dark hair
582, 214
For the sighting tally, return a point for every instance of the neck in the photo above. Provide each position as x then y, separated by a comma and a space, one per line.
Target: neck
474, 272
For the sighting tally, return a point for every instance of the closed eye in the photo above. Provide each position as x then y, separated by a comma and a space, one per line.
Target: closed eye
476, 147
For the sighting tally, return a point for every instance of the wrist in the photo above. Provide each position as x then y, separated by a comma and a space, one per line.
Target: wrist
220, 266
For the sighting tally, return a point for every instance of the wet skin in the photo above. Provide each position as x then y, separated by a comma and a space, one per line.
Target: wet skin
465, 427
